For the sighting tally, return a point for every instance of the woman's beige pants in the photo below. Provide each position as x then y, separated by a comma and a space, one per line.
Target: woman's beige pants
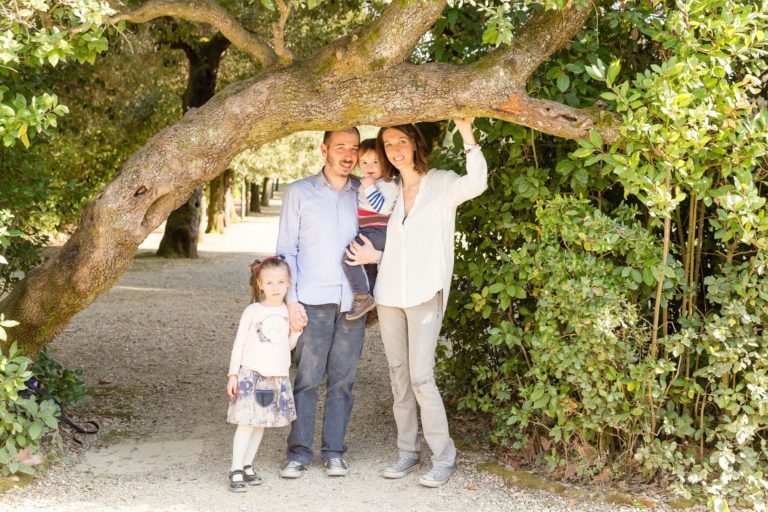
410, 337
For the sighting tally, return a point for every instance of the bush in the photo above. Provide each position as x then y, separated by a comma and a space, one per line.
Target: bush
28, 426
609, 308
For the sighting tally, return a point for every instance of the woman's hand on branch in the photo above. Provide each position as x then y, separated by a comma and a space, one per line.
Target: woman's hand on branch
364, 254
464, 125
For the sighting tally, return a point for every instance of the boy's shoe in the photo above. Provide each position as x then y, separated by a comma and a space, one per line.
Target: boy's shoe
336, 467
437, 476
372, 318
362, 304
251, 478
293, 469
401, 467
237, 481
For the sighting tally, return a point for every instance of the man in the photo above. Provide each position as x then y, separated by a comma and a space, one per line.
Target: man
317, 221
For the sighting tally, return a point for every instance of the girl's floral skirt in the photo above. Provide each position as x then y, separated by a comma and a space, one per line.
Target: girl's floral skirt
262, 401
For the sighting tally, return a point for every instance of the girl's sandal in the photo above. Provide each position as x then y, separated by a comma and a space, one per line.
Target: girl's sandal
251, 477
239, 484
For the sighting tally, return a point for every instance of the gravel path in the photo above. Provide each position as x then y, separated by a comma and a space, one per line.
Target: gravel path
155, 351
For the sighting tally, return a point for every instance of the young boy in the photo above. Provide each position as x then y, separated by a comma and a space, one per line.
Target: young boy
375, 201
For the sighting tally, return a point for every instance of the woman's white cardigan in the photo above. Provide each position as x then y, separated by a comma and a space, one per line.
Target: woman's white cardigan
418, 256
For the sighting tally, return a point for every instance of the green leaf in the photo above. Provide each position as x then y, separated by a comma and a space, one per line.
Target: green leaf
595, 138
22, 134
563, 82
583, 152
35, 430
612, 73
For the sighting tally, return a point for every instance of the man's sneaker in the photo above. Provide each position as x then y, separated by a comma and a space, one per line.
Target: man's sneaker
437, 476
336, 467
362, 304
401, 467
293, 469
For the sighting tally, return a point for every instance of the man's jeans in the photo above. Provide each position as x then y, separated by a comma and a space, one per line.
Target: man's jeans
331, 342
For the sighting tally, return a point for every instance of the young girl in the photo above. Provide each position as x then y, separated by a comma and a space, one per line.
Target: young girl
258, 386
376, 199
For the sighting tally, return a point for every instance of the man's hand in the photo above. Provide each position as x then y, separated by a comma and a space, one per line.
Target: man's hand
297, 316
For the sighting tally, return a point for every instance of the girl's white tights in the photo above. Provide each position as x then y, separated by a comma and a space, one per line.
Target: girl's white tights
245, 445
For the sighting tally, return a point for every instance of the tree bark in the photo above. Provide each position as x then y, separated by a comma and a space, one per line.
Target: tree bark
216, 206
255, 205
244, 198
359, 79
204, 59
266, 191
230, 215
182, 226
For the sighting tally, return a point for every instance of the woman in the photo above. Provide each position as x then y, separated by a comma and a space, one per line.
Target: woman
411, 292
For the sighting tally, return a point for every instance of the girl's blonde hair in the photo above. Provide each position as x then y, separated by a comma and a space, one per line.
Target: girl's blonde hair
257, 266
370, 145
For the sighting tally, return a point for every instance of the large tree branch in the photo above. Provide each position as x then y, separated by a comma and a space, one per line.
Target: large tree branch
278, 32
386, 42
161, 176
203, 11
544, 34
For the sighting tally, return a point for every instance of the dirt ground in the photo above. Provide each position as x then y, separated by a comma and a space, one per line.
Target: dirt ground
155, 351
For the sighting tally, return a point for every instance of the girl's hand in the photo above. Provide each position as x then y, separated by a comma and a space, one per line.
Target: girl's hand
297, 316
232, 387
464, 125
362, 254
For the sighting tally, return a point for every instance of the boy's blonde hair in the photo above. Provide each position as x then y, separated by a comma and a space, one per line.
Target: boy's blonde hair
257, 266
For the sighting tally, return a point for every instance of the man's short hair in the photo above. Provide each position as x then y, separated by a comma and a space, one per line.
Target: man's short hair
327, 135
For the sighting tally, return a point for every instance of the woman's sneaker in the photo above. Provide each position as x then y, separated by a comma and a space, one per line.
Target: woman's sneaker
362, 303
401, 467
437, 476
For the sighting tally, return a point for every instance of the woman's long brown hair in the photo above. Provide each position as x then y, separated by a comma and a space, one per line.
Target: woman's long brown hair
420, 149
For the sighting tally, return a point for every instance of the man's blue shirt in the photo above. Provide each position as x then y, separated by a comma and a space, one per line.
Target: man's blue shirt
316, 224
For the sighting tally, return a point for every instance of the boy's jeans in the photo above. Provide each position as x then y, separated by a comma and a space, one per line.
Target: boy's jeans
331, 342
362, 278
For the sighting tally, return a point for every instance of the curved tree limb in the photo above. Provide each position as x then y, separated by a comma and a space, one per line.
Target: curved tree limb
278, 31
203, 11
544, 34
161, 176
384, 43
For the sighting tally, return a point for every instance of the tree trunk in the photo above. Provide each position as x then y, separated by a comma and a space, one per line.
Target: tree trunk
266, 191
216, 206
255, 205
244, 198
181, 229
321, 93
180, 237
230, 215
203, 217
